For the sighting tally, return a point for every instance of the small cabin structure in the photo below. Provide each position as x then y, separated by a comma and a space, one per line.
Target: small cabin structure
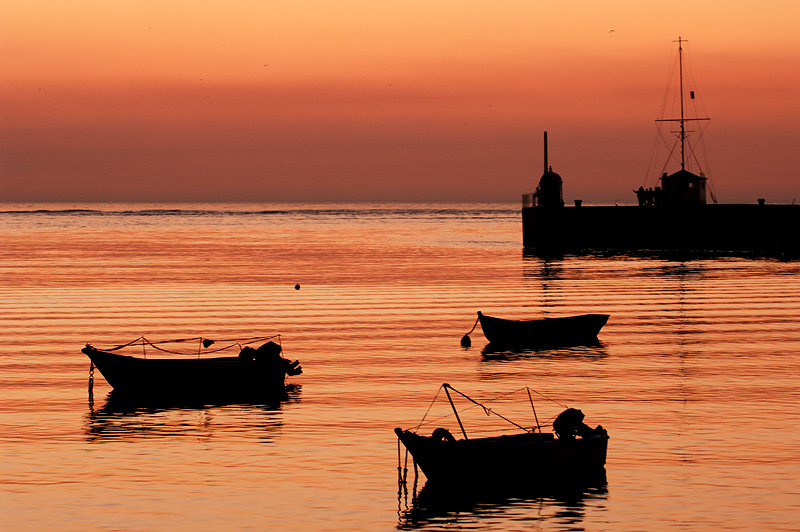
684, 188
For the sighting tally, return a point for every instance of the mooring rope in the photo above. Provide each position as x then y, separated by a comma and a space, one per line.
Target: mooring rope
91, 385
402, 466
465, 341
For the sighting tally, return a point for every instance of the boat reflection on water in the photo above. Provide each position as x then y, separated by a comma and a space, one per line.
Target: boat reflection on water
466, 506
589, 350
480, 476
125, 417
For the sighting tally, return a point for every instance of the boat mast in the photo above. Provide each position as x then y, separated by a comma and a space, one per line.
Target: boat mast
545, 153
534, 410
682, 120
683, 128
447, 388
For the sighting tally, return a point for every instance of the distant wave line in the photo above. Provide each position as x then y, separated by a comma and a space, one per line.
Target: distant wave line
366, 212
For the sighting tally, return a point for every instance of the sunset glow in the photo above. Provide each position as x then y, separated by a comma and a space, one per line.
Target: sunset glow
389, 101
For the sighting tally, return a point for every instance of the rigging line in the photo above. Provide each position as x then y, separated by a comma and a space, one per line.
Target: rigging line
125, 345
192, 354
693, 156
651, 163
432, 421
446, 416
688, 62
546, 397
154, 345
544, 422
708, 173
669, 159
488, 410
698, 147
453, 406
167, 350
176, 341
429, 409
701, 149
502, 431
450, 414
670, 147
249, 339
534, 410
668, 91
243, 343
506, 394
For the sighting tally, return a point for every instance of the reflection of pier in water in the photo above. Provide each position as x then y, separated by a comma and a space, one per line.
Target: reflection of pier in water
122, 419
547, 271
666, 282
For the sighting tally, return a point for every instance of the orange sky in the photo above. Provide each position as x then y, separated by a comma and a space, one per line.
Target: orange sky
385, 101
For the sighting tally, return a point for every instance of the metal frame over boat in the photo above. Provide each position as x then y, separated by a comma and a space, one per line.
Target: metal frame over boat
254, 371
574, 451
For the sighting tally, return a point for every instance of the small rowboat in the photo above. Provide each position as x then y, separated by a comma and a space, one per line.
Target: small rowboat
570, 330
256, 372
573, 451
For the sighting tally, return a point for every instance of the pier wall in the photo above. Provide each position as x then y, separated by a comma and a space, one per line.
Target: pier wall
725, 228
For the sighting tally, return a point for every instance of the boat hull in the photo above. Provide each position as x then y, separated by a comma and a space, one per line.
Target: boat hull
529, 458
194, 377
570, 330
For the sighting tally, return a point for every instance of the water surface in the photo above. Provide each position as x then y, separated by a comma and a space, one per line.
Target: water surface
696, 376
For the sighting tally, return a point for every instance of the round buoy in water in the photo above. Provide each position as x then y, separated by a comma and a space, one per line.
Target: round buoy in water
297, 287
465, 341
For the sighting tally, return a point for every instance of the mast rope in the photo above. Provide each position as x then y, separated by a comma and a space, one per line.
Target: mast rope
91, 385
429, 409
485, 408
231, 342
696, 113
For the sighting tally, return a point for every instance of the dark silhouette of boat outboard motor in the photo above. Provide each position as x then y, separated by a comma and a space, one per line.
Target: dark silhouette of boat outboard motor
569, 423
549, 193
270, 354
443, 435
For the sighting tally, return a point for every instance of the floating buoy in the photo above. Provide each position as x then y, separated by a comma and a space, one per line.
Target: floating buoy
465, 341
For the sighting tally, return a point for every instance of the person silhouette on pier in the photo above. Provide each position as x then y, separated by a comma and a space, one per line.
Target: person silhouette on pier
641, 195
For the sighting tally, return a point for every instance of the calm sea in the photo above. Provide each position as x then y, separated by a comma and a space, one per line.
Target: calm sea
696, 376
